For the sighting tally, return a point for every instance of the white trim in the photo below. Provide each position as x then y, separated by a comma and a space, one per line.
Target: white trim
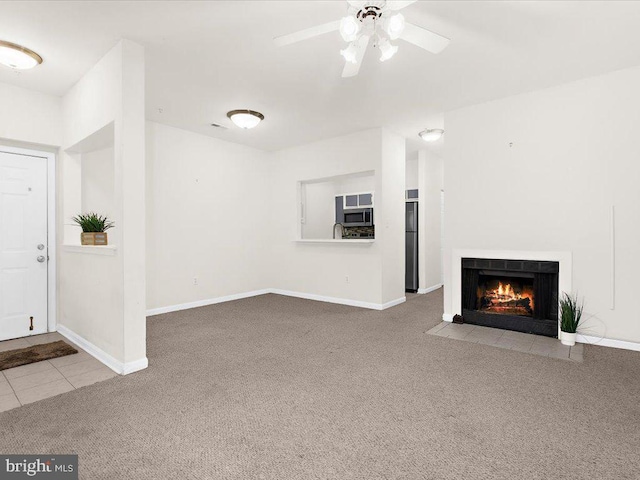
393, 303
52, 295
99, 354
91, 249
447, 317
204, 303
135, 366
340, 301
430, 289
612, 257
608, 342
288, 293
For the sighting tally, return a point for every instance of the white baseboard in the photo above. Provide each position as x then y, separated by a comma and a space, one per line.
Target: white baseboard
340, 301
608, 342
393, 303
135, 366
447, 317
277, 291
430, 289
96, 352
204, 303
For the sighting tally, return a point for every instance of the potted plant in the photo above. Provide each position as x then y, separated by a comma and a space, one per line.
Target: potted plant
570, 315
94, 228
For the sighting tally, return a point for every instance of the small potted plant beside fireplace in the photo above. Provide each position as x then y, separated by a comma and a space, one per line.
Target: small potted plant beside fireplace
94, 228
570, 315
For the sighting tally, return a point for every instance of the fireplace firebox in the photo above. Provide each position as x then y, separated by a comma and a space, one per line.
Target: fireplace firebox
520, 295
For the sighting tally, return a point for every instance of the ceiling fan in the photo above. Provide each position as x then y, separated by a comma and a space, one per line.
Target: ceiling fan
377, 19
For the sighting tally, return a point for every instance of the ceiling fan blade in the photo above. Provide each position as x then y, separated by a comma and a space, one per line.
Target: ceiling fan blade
307, 33
399, 4
352, 69
431, 42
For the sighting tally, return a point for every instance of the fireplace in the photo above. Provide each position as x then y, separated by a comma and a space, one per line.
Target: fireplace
520, 295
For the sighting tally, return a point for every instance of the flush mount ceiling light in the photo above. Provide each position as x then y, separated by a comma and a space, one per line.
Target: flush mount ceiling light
245, 118
367, 19
17, 56
431, 135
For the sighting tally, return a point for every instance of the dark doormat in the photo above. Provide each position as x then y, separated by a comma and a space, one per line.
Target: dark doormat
36, 353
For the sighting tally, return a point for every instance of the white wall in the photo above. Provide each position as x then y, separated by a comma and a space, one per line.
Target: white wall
411, 177
29, 117
430, 184
390, 215
97, 182
574, 154
102, 297
207, 217
322, 269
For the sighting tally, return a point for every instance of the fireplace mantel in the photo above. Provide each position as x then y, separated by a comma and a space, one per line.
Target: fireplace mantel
564, 275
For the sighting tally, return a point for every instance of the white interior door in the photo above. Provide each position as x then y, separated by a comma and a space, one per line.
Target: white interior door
23, 245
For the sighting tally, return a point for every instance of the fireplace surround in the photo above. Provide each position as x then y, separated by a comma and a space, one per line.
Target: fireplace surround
512, 294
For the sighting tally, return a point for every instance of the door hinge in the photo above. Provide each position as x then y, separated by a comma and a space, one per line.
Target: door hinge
30, 323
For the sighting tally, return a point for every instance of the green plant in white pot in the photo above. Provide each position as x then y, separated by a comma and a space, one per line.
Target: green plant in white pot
570, 316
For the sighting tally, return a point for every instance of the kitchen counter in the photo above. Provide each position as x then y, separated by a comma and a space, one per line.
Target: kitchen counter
359, 241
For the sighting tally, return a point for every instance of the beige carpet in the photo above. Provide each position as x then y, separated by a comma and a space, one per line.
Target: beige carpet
280, 388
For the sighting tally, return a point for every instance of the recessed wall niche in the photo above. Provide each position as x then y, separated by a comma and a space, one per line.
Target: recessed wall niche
88, 175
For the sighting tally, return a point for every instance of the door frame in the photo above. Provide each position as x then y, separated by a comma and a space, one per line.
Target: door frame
52, 296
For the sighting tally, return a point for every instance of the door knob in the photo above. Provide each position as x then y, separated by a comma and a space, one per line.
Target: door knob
40, 258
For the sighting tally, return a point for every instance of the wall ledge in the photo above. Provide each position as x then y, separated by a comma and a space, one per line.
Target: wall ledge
110, 250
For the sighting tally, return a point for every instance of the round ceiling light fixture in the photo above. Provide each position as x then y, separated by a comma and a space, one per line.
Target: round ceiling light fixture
245, 118
431, 134
18, 57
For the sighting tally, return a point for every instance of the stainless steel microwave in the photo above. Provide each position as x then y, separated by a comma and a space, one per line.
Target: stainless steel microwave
358, 217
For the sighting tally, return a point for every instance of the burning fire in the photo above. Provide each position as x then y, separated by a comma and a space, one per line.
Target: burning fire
506, 293
506, 299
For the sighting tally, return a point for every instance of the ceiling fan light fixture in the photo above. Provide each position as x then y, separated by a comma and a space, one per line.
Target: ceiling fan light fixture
245, 119
18, 57
349, 28
387, 50
350, 53
431, 134
394, 26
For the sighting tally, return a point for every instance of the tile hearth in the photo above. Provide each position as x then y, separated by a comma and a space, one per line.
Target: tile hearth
522, 342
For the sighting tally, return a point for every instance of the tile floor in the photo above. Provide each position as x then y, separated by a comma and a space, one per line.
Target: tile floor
40, 380
522, 342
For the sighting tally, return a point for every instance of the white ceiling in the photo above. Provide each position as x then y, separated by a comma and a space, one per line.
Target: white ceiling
205, 58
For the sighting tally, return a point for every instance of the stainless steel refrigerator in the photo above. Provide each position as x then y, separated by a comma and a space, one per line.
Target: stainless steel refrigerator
411, 249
